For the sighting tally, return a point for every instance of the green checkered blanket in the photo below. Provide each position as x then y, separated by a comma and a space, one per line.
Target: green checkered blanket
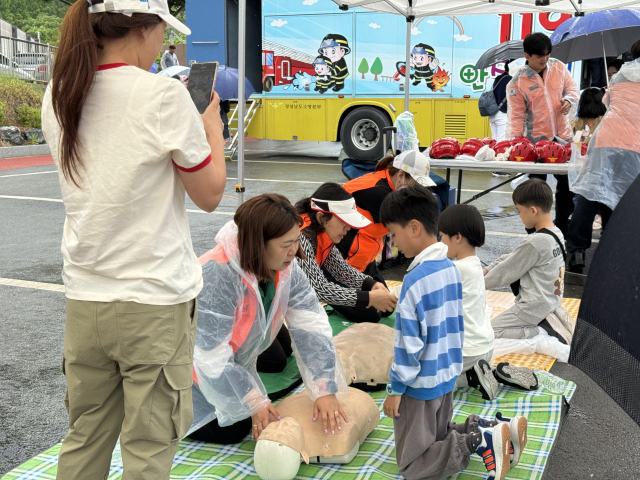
376, 458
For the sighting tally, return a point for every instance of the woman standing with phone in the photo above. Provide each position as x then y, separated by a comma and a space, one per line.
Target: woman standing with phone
127, 144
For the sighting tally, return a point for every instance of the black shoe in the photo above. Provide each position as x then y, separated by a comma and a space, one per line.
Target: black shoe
337, 88
575, 262
519, 377
417, 82
481, 378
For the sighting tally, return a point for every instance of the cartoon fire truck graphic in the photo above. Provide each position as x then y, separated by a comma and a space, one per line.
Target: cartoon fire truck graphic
280, 64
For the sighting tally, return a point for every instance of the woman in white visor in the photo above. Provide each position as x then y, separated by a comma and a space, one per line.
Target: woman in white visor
328, 215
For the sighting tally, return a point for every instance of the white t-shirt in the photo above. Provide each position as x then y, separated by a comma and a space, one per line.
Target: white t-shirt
478, 333
126, 234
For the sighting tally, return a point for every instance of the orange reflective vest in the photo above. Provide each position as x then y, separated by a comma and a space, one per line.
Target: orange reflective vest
323, 242
246, 309
369, 241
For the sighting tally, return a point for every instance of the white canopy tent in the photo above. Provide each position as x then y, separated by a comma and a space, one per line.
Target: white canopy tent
412, 9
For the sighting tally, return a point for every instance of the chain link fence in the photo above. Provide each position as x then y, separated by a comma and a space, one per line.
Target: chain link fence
26, 60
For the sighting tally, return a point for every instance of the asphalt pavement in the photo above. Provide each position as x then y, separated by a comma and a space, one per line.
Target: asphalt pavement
597, 439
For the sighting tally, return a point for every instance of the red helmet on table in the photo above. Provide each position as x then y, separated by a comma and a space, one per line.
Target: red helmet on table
489, 141
520, 139
471, 147
567, 149
523, 152
540, 145
553, 153
445, 148
502, 146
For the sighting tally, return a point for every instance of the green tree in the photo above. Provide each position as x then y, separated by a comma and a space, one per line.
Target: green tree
364, 67
45, 16
376, 68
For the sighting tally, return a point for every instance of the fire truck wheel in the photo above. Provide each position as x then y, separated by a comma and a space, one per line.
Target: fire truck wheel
268, 84
361, 133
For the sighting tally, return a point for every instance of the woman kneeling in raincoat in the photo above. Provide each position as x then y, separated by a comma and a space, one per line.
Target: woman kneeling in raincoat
613, 160
252, 284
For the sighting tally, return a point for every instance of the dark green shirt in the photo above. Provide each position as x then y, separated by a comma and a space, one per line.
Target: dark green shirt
267, 293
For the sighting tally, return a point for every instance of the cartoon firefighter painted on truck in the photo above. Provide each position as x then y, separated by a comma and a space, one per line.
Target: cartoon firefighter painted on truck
423, 64
324, 80
335, 47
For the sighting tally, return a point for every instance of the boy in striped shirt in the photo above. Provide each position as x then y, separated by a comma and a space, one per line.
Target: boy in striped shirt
428, 353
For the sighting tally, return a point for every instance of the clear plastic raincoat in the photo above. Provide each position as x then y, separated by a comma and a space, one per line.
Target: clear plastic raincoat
613, 157
535, 102
233, 330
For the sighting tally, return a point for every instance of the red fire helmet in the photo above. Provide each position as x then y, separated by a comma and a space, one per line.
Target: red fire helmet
472, 146
523, 152
520, 139
567, 150
553, 153
445, 148
540, 145
502, 146
489, 141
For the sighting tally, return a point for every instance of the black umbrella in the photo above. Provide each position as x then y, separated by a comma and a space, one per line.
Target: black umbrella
502, 52
606, 342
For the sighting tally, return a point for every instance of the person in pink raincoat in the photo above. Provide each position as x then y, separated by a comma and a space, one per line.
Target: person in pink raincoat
541, 95
613, 160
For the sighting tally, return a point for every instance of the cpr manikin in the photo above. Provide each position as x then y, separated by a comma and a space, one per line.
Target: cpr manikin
284, 444
366, 353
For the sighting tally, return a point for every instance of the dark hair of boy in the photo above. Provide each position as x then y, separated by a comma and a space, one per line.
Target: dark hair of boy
635, 50
534, 193
590, 105
464, 220
411, 203
326, 191
172, 47
537, 44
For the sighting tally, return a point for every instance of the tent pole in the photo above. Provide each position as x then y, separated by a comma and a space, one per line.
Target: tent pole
242, 103
407, 67
604, 53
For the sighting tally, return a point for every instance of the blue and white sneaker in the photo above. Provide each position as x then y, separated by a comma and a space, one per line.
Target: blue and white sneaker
518, 430
494, 450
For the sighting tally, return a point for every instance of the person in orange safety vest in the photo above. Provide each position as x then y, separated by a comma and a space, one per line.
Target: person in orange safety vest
361, 247
541, 96
328, 215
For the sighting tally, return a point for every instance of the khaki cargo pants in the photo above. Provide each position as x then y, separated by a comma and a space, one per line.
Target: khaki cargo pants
129, 370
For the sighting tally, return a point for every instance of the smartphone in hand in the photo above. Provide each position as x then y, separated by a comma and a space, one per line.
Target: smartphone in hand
202, 82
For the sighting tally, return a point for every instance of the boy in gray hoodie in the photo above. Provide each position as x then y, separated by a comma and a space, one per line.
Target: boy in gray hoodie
534, 270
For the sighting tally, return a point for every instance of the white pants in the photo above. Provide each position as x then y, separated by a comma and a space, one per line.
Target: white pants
498, 124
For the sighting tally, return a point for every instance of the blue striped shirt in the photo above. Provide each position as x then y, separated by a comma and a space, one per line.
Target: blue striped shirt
429, 327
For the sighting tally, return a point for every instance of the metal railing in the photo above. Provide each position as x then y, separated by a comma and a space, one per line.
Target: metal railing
31, 61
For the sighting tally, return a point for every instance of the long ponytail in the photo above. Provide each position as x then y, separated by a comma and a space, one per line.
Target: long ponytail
75, 69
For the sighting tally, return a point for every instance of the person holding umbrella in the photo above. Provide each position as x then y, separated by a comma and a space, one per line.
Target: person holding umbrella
541, 95
613, 161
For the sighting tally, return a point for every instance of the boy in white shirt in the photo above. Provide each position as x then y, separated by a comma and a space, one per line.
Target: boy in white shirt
462, 231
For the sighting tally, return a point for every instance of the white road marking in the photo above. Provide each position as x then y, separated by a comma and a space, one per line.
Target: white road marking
14, 197
262, 179
52, 287
292, 163
32, 173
